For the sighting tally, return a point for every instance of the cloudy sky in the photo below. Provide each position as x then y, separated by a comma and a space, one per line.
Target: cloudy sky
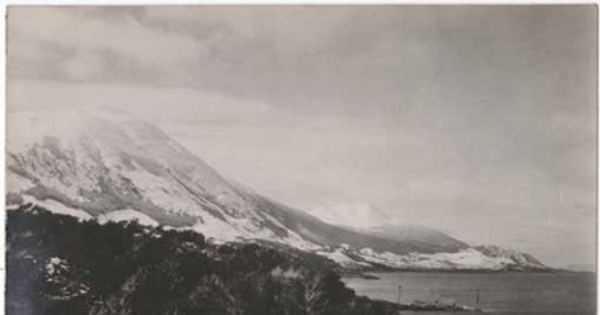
480, 121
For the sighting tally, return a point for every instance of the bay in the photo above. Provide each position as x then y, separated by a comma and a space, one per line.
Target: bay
510, 293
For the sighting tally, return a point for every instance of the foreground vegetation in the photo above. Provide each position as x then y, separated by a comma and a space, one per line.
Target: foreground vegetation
57, 265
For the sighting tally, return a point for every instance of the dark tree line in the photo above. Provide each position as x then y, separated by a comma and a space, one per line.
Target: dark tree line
57, 265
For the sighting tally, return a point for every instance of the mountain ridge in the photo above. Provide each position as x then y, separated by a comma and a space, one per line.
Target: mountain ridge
102, 166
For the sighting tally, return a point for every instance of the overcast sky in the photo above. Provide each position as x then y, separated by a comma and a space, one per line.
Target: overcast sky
480, 121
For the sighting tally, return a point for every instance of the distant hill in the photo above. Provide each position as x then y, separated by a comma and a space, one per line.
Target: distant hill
419, 234
582, 267
369, 220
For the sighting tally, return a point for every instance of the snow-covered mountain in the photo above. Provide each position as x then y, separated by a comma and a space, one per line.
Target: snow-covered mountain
368, 219
103, 166
112, 167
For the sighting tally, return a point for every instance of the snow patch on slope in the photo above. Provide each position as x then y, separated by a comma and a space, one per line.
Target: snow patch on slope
58, 208
217, 230
341, 255
127, 215
243, 229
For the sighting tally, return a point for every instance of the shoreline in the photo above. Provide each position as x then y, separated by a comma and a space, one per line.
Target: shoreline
370, 274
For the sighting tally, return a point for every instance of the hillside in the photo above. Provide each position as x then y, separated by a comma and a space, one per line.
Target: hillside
59, 265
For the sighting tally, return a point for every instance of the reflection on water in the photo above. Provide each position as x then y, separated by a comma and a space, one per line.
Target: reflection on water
562, 293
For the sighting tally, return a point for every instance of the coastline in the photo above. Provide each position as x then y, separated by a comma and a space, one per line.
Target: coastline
369, 274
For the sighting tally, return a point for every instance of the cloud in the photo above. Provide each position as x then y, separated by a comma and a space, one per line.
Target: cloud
88, 40
184, 45
162, 105
294, 29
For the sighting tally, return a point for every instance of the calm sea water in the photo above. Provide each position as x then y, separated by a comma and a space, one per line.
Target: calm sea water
561, 293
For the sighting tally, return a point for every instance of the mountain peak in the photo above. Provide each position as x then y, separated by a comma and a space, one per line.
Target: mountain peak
352, 215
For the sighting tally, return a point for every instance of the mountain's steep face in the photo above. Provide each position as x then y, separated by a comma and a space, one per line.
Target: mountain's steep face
118, 168
102, 167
